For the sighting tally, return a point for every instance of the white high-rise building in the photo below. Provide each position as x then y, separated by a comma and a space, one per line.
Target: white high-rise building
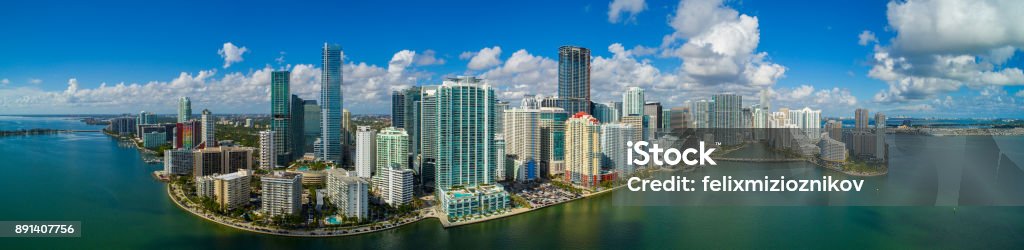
701, 111
397, 187
208, 128
522, 139
348, 193
366, 148
632, 102
282, 193
614, 138
808, 120
392, 148
268, 153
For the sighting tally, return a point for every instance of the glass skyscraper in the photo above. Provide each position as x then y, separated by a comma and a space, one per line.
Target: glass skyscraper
311, 125
331, 103
184, 109
573, 79
466, 153
280, 115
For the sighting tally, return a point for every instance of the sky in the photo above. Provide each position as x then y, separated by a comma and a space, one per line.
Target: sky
921, 58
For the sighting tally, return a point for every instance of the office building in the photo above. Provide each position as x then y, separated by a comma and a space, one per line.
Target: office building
606, 113
574, 79
297, 127
654, 112
310, 124
280, 114
583, 150
349, 194
282, 194
331, 103
552, 140
366, 151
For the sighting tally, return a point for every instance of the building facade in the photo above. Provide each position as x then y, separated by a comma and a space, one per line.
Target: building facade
366, 151
282, 194
583, 150
331, 103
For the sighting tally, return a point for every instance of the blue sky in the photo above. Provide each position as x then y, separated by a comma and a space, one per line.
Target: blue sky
114, 49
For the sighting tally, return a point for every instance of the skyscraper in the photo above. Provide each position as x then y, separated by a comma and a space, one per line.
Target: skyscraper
614, 138
574, 79
280, 115
184, 109
331, 103
208, 128
297, 127
268, 154
552, 140
398, 108
583, 150
727, 111
879, 120
633, 101
310, 124
522, 139
465, 148
861, 119
366, 149
428, 135
654, 112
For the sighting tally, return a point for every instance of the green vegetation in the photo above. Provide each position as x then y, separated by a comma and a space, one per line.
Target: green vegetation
520, 201
862, 167
160, 150
567, 187
247, 137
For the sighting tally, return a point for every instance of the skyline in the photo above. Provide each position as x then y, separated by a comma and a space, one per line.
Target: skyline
882, 59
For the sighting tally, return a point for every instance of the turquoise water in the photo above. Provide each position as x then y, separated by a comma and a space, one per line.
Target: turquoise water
91, 178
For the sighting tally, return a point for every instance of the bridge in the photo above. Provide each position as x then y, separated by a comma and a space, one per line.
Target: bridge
760, 159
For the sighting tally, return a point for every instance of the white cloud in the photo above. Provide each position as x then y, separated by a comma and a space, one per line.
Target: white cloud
618, 7
231, 54
1020, 93
718, 46
485, 58
866, 37
428, 57
280, 58
35, 81
400, 61
366, 88
942, 46
523, 73
5, 82
802, 91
